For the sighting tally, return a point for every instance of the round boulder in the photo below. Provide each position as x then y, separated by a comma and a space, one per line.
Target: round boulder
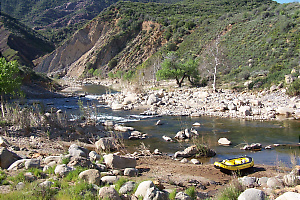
108, 193
143, 187
252, 194
289, 196
62, 170
91, 176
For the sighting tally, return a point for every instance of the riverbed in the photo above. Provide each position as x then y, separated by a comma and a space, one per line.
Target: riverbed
238, 131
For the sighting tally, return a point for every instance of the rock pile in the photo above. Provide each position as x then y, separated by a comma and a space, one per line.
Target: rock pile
265, 105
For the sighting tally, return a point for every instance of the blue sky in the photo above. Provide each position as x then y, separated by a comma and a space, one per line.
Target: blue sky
287, 1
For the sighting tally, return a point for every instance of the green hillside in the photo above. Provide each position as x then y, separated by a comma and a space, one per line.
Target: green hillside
254, 42
18, 42
57, 20
257, 40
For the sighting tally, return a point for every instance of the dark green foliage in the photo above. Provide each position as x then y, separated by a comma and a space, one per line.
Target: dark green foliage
3, 177
10, 81
294, 88
112, 63
171, 68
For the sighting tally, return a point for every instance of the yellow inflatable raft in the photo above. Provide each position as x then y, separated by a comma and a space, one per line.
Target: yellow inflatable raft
235, 164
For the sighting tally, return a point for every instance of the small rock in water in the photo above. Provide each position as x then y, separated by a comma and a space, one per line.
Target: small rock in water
197, 124
268, 147
224, 141
159, 123
166, 138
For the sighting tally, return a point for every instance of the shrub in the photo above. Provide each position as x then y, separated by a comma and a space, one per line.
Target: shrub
80, 190
232, 192
294, 88
172, 194
37, 172
3, 177
112, 63
119, 183
191, 191
73, 175
171, 47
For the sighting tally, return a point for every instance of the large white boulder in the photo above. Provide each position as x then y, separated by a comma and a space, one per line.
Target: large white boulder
143, 187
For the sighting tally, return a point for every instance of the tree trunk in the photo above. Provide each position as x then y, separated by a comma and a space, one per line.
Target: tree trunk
2, 107
179, 82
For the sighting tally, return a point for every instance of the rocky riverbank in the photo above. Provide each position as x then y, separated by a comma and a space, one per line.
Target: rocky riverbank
265, 105
130, 176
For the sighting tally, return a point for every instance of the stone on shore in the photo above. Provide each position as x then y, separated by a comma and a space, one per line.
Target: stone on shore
106, 144
248, 181
91, 176
289, 196
62, 170
108, 193
32, 163
284, 111
182, 196
119, 162
56, 159
143, 187
117, 106
274, 183
109, 179
76, 151
131, 172
127, 187
3, 142
152, 99
94, 156
7, 158
155, 194
252, 194
80, 161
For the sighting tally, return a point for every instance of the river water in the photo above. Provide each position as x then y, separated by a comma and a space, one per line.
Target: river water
238, 131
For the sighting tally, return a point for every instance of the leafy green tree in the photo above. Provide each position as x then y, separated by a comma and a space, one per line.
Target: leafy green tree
10, 81
172, 69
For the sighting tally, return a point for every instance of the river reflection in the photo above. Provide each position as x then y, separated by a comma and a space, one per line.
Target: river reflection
239, 132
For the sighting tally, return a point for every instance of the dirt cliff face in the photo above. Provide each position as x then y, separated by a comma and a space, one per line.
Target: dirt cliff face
75, 51
99, 42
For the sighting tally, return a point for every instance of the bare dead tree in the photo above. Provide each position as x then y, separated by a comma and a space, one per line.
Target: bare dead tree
211, 60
